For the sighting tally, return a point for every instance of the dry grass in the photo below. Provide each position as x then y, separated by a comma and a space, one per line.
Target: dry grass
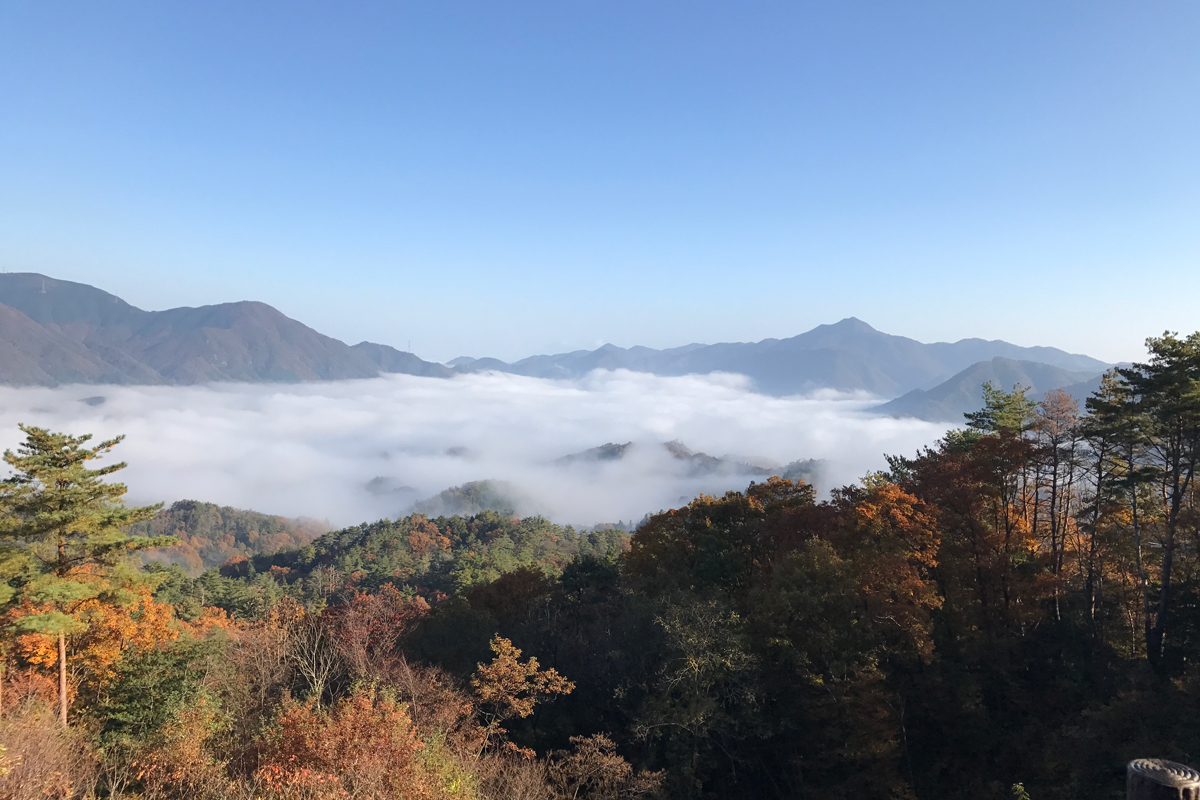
509, 777
42, 759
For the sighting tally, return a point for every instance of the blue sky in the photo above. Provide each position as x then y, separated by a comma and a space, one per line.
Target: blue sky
511, 178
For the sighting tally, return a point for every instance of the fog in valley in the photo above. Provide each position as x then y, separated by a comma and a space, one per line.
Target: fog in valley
361, 450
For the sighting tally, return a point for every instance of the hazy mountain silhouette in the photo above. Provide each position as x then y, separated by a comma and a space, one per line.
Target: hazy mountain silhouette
54, 332
849, 355
698, 463
948, 401
389, 359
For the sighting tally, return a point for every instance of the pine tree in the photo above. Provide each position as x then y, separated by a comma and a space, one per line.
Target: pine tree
1003, 412
1163, 398
62, 524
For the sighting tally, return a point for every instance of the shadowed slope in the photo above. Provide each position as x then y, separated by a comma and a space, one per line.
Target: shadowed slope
54, 331
948, 401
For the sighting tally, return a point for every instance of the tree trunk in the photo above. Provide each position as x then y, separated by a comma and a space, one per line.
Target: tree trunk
1175, 492
62, 678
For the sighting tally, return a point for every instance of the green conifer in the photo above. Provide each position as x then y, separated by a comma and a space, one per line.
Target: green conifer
62, 527
1003, 412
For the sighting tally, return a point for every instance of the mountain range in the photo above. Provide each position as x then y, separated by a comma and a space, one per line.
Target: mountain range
849, 356
54, 332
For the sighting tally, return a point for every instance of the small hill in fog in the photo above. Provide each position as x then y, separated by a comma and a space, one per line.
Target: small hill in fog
471, 499
698, 463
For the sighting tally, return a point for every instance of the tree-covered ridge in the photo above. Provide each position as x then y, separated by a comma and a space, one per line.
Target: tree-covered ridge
443, 555
210, 534
471, 498
431, 558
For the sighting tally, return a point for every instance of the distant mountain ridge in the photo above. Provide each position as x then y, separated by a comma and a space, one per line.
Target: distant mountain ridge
849, 355
54, 332
949, 401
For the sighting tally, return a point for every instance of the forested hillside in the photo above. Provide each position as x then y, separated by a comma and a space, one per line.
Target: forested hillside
443, 555
1011, 612
207, 535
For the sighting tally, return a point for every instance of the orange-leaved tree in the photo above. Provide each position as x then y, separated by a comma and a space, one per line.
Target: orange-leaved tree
62, 527
112, 632
365, 744
507, 687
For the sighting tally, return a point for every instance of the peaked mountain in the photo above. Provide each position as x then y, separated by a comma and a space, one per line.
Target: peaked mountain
849, 355
54, 332
948, 401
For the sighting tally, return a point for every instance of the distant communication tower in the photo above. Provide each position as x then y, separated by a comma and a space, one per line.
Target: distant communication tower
43, 285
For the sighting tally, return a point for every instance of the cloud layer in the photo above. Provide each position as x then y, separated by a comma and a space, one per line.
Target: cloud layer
316, 449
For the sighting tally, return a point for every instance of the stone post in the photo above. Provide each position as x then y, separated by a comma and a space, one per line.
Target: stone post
1156, 779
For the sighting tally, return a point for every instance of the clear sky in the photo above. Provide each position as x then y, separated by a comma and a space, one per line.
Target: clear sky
506, 178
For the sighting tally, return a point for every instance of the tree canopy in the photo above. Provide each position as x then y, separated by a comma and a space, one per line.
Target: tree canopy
1013, 611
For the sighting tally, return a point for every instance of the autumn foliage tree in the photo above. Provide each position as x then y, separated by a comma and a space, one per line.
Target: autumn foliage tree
363, 746
63, 525
369, 627
1017, 605
507, 687
113, 632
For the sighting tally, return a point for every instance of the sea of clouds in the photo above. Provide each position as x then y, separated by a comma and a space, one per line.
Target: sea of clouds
354, 451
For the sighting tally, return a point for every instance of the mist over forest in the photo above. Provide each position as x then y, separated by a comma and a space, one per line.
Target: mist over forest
599, 401
355, 451
801, 567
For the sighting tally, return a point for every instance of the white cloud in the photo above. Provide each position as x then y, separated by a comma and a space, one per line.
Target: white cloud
310, 449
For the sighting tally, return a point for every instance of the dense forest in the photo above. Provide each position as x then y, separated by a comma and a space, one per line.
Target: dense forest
1013, 612
207, 535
